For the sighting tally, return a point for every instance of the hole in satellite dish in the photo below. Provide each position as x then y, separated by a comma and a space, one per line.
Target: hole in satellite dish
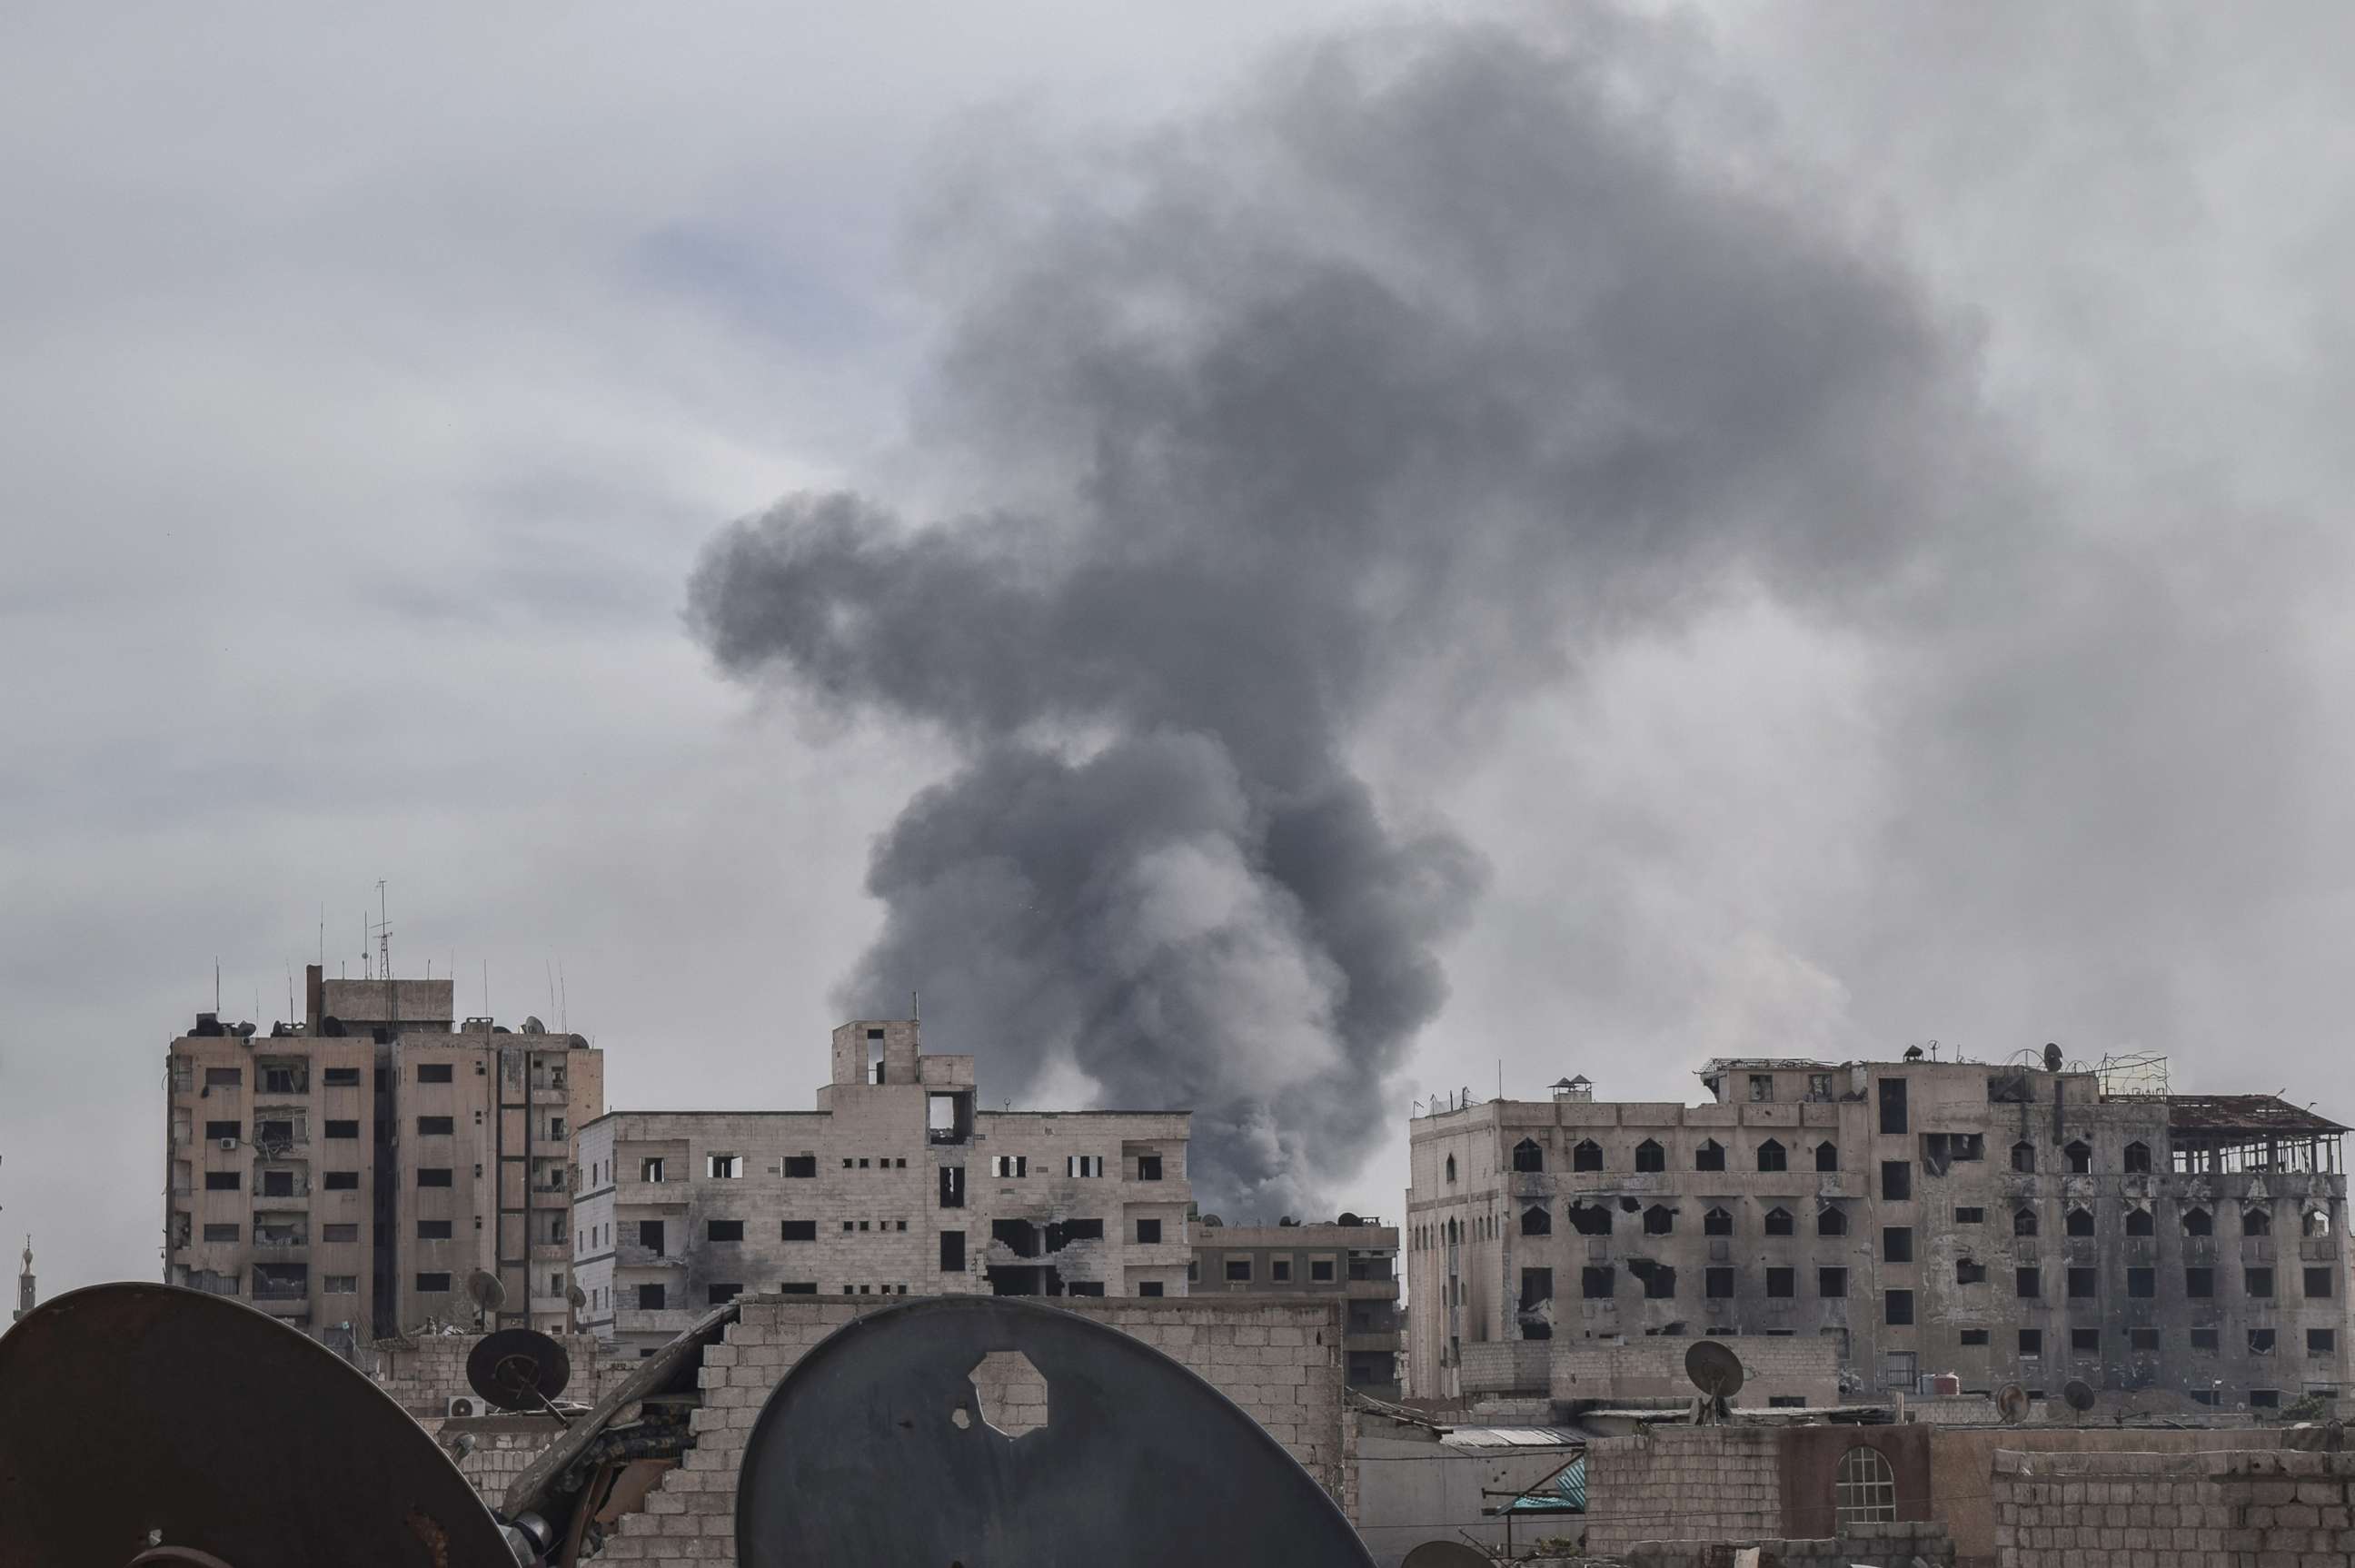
958, 1418
1011, 1392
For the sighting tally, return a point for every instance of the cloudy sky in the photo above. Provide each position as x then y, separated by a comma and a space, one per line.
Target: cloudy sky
1947, 411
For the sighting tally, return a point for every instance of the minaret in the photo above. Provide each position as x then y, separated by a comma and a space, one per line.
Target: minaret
25, 1283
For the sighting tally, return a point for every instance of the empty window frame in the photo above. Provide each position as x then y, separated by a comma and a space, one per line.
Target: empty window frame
1586, 1155
1779, 1222
1717, 1223
433, 1073
1896, 1180
723, 1230
1710, 1155
1008, 1165
1864, 1488
1084, 1165
1827, 1156
724, 1167
1148, 1232
1772, 1157
1651, 1156
1528, 1156
1897, 1244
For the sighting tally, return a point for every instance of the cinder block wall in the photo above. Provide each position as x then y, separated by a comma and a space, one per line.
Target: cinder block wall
1867, 1546
1709, 1483
1280, 1360
2174, 1511
1654, 1368
425, 1373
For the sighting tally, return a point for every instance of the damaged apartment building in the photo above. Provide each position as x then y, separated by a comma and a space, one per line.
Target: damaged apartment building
897, 1184
1945, 1226
348, 1173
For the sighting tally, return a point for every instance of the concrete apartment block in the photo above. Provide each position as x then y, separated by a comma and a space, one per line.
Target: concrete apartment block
897, 1184
1355, 1259
348, 1173
1276, 1358
1991, 1224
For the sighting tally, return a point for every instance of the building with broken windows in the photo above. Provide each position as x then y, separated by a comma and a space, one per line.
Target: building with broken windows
1354, 1257
1944, 1226
349, 1172
897, 1184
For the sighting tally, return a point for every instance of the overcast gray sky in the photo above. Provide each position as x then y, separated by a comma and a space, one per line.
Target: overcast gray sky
374, 384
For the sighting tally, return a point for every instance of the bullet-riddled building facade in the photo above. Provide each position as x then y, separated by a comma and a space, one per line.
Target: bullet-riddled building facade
898, 1183
2002, 1224
349, 1173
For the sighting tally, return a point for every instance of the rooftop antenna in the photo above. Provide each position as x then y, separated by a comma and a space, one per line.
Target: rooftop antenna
914, 1011
486, 988
563, 1003
383, 936
216, 988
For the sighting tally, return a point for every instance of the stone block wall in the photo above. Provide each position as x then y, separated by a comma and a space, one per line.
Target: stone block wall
1506, 1366
2241, 1509
1280, 1359
1707, 1483
1864, 1546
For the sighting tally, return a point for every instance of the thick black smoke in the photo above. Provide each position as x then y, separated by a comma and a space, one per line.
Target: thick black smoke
1432, 363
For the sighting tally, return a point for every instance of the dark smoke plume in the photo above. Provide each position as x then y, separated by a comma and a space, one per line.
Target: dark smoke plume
1434, 361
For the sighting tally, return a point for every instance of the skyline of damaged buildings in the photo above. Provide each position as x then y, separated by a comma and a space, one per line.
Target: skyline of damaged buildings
896, 1184
1944, 1226
348, 1173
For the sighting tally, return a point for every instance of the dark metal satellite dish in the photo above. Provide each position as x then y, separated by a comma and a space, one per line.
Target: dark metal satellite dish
1131, 1458
519, 1369
181, 1423
1714, 1370
2011, 1404
1445, 1554
2078, 1395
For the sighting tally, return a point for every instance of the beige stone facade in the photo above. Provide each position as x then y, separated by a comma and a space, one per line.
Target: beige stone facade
897, 1184
1996, 1224
1356, 1262
346, 1174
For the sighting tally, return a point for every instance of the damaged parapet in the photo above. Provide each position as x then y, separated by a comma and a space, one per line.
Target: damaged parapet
897, 1184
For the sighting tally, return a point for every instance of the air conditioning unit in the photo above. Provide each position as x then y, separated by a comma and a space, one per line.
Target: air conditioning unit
228, 1144
463, 1406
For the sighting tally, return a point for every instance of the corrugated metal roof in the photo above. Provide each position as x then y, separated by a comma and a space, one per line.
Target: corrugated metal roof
1514, 1437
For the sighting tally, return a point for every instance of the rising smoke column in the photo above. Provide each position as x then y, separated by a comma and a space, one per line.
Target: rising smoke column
1438, 358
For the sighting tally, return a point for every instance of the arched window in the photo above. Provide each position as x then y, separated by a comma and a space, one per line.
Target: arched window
2256, 1222
2138, 1222
1590, 1219
1587, 1155
1451, 1167
1650, 1156
2316, 1222
1717, 1223
2081, 1158
1454, 1232
2023, 1222
1779, 1222
1536, 1221
1527, 1156
1827, 1156
1660, 1220
1770, 1157
2137, 1159
1864, 1488
2081, 1221
1831, 1221
1710, 1156
2196, 1223
2023, 1156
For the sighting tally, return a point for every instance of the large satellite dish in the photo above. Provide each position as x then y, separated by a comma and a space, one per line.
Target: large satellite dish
1445, 1554
1130, 1458
483, 1289
2011, 1404
1714, 1370
519, 1369
2078, 1395
159, 1425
